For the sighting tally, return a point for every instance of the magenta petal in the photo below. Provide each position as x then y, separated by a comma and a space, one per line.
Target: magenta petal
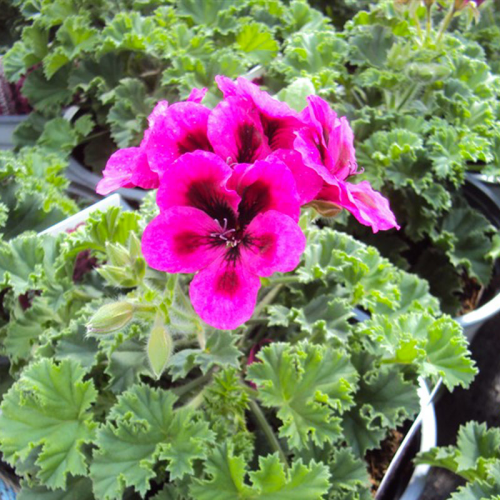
127, 168
178, 129
224, 294
327, 143
236, 133
275, 244
367, 205
279, 121
198, 180
197, 95
179, 241
307, 180
266, 185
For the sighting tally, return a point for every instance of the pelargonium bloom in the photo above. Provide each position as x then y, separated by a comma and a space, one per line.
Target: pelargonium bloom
327, 146
131, 167
229, 227
279, 122
178, 129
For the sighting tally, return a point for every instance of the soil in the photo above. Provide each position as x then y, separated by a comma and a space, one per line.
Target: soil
481, 402
379, 460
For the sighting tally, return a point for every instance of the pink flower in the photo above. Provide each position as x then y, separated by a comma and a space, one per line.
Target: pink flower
228, 230
327, 146
279, 121
130, 167
178, 129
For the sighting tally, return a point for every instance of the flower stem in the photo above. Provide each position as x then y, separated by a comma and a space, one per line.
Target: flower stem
428, 22
268, 431
270, 296
446, 22
193, 384
283, 280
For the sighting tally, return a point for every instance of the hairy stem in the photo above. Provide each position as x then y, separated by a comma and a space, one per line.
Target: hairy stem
268, 431
269, 297
446, 22
193, 384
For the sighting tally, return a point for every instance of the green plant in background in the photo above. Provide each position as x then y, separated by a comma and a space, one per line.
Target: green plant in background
424, 108
114, 60
32, 191
487, 32
118, 390
476, 458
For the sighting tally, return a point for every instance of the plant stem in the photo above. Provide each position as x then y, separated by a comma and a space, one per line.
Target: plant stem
417, 23
184, 389
428, 22
270, 296
268, 431
446, 22
284, 280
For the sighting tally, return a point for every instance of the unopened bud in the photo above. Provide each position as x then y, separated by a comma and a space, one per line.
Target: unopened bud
159, 349
428, 3
118, 254
325, 208
111, 317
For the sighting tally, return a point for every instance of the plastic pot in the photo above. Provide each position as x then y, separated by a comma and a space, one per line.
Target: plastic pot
397, 483
481, 197
8, 124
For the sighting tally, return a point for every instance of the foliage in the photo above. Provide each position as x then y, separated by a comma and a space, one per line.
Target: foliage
115, 60
88, 413
425, 110
476, 458
32, 191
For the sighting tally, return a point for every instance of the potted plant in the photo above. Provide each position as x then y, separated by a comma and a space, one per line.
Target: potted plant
131, 378
111, 67
423, 104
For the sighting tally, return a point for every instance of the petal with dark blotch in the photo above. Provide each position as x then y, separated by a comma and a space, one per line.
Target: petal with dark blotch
180, 240
236, 133
266, 185
224, 294
181, 128
273, 243
199, 180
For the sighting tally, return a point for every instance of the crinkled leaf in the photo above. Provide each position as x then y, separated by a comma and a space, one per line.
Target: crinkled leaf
49, 407
310, 385
269, 482
143, 429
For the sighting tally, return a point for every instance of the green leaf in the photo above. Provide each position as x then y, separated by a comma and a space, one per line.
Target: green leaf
25, 328
257, 41
47, 95
321, 318
79, 488
295, 95
270, 482
447, 354
347, 472
310, 385
220, 350
383, 402
142, 429
48, 407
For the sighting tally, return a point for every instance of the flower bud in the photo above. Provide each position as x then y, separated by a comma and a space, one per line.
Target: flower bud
159, 349
118, 254
325, 208
111, 317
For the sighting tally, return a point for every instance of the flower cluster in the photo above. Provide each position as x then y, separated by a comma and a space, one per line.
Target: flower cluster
231, 182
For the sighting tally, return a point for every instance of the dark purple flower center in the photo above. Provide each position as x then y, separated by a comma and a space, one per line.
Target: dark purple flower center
249, 141
193, 141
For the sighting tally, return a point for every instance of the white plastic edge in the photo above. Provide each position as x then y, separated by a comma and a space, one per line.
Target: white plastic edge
115, 200
426, 419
